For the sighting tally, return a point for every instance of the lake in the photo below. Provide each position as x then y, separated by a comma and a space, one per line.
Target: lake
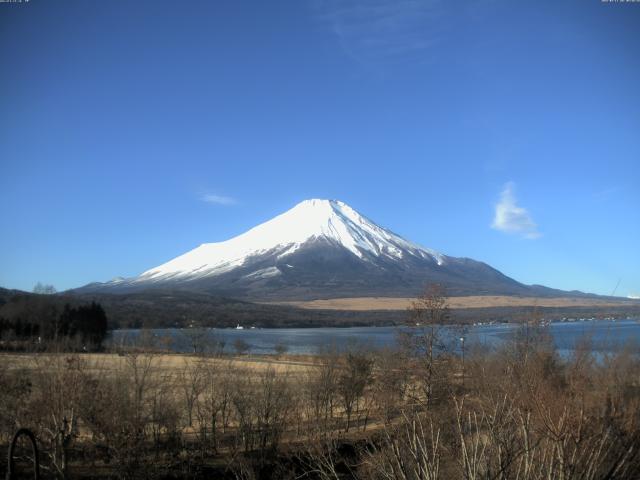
605, 336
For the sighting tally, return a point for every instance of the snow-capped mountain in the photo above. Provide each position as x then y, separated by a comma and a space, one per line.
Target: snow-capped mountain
310, 221
318, 249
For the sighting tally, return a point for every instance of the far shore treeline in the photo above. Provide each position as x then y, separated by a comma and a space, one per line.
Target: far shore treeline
24, 314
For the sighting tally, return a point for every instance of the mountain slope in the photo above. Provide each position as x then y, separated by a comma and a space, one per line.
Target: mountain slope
319, 249
309, 221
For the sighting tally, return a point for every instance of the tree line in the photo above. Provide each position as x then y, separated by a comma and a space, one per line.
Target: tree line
40, 319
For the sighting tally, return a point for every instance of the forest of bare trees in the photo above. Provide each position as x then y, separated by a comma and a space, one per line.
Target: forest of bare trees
517, 412
521, 412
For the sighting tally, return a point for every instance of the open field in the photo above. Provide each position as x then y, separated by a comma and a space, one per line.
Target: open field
489, 301
162, 363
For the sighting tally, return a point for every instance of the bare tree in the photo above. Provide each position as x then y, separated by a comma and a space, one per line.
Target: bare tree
241, 346
410, 450
164, 413
280, 349
197, 338
272, 407
428, 314
59, 381
390, 382
117, 410
212, 403
321, 389
242, 399
191, 381
320, 457
354, 377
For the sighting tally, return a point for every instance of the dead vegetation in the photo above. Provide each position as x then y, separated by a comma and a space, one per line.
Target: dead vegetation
474, 301
517, 413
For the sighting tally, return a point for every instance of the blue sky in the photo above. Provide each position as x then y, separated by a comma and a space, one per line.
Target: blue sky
508, 132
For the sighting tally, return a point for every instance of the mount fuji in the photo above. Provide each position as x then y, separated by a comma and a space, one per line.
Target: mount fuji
319, 249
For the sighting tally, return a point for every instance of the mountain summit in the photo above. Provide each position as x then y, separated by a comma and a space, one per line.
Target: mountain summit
319, 249
329, 221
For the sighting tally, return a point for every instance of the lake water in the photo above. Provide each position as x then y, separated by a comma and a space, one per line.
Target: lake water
605, 336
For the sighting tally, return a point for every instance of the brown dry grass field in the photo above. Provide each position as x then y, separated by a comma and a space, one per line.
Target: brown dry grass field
400, 303
163, 363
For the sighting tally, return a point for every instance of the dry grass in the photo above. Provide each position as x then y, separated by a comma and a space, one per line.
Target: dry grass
166, 363
489, 301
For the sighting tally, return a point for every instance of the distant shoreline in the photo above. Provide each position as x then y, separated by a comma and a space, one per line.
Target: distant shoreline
476, 301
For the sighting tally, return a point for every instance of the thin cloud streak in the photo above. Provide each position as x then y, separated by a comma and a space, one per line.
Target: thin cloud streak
605, 193
513, 219
218, 199
382, 30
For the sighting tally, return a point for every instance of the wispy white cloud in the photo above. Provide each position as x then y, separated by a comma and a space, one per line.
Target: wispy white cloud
606, 193
218, 199
383, 30
513, 219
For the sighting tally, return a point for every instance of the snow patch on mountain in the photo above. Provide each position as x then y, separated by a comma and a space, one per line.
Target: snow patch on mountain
310, 220
264, 273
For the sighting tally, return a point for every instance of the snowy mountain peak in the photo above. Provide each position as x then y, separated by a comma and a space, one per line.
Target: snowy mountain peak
312, 220
319, 249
